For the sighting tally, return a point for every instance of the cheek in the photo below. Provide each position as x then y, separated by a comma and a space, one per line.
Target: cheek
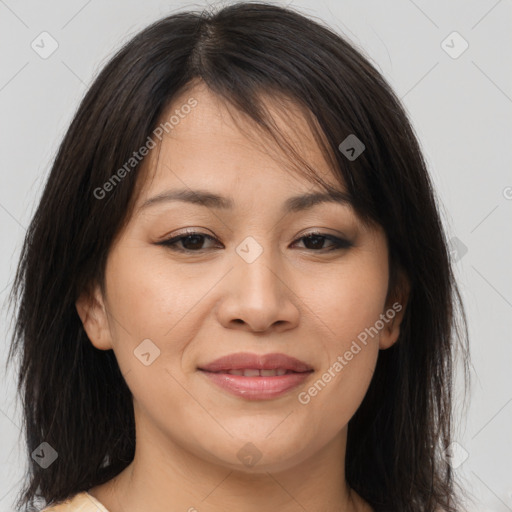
350, 307
145, 293
153, 298
358, 306
151, 323
349, 299
350, 352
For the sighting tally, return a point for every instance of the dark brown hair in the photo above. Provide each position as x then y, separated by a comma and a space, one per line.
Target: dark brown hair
74, 396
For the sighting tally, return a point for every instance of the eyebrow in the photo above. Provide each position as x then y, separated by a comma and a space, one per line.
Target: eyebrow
211, 200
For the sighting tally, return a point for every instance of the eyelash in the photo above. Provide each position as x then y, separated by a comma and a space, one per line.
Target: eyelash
339, 243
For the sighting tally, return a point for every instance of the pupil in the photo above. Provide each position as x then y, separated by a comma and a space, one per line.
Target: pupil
197, 238
316, 240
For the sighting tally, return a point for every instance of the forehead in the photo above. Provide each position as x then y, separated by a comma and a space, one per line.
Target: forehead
214, 111
214, 138
213, 143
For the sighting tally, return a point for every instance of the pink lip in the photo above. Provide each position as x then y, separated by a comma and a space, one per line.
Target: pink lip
261, 387
242, 360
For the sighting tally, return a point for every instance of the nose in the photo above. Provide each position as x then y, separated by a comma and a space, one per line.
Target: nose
257, 297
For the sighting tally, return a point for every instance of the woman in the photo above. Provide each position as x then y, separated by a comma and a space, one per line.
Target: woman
236, 292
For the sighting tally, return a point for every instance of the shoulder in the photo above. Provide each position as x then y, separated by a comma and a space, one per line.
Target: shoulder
80, 502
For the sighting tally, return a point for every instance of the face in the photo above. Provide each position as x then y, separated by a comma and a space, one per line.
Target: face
190, 280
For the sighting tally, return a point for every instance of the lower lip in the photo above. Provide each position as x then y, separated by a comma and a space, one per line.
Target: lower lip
257, 388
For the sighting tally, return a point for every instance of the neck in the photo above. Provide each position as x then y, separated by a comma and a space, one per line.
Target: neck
158, 479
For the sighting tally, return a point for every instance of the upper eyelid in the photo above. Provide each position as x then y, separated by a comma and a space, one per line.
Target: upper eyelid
315, 231
177, 238
184, 234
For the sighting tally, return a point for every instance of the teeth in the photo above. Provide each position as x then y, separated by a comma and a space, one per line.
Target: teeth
253, 372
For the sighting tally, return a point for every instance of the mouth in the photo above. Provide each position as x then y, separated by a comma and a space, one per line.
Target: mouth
257, 377
255, 372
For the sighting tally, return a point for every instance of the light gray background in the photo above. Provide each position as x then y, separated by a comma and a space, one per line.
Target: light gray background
461, 109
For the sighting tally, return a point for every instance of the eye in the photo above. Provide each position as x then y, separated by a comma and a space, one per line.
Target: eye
316, 240
193, 242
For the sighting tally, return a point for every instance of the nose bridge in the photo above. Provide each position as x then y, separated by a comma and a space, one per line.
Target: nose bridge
256, 269
256, 294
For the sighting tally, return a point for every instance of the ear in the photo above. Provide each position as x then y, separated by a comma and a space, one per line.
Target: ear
91, 310
394, 311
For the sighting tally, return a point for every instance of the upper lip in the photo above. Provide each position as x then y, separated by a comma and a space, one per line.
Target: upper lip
244, 360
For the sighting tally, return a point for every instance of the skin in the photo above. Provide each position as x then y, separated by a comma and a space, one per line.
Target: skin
296, 298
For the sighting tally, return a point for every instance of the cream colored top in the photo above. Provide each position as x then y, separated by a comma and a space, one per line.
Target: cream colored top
81, 502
